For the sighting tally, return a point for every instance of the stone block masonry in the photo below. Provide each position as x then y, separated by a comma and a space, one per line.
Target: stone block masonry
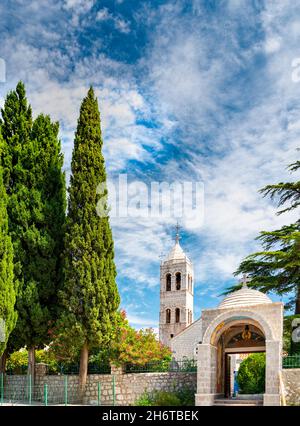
128, 387
291, 381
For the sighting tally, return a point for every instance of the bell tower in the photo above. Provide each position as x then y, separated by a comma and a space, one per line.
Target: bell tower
176, 293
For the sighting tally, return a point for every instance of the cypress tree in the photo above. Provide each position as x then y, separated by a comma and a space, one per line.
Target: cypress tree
90, 296
16, 123
36, 208
8, 315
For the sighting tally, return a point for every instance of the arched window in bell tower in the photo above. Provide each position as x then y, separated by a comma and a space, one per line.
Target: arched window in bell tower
177, 315
168, 282
168, 316
178, 280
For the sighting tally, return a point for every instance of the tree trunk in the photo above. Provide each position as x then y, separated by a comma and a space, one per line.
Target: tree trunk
297, 306
83, 369
3, 361
31, 363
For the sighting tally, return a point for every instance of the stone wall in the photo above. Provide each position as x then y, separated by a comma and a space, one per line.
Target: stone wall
291, 381
16, 389
128, 387
16, 381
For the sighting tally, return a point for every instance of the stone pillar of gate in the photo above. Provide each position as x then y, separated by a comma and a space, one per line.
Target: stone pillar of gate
273, 367
206, 374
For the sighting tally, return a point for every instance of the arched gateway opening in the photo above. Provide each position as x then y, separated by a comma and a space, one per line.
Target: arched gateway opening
235, 341
245, 322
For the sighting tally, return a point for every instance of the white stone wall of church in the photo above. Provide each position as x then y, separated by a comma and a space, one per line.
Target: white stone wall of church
173, 300
185, 343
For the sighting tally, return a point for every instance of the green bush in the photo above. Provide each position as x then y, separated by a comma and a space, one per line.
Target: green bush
164, 399
186, 396
145, 400
18, 361
251, 374
183, 397
189, 365
48, 358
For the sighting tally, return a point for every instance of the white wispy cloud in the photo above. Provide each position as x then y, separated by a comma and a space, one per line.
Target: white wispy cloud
119, 23
220, 92
78, 9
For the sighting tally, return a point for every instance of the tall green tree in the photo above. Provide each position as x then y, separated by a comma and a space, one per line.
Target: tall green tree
90, 295
35, 186
285, 192
8, 314
277, 267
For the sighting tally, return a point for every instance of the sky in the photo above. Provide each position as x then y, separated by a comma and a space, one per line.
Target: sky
189, 91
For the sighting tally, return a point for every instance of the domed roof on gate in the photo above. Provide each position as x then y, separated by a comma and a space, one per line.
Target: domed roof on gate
244, 297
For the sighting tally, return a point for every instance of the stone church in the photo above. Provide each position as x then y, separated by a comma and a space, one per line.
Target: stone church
176, 294
246, 321
177, 328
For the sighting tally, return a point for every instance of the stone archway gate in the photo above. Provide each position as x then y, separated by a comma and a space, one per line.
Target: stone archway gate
269, 318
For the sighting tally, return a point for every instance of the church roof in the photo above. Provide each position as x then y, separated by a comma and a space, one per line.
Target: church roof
244, 297
176, 253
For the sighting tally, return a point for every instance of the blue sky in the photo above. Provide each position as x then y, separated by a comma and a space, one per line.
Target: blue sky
188, 90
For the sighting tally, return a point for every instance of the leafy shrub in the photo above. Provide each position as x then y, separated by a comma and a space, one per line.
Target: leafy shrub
251, 374
149, 367
183, 397
99, 363
163, 399
186, 396
18, 361
137, 347
145, 400
189, 365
